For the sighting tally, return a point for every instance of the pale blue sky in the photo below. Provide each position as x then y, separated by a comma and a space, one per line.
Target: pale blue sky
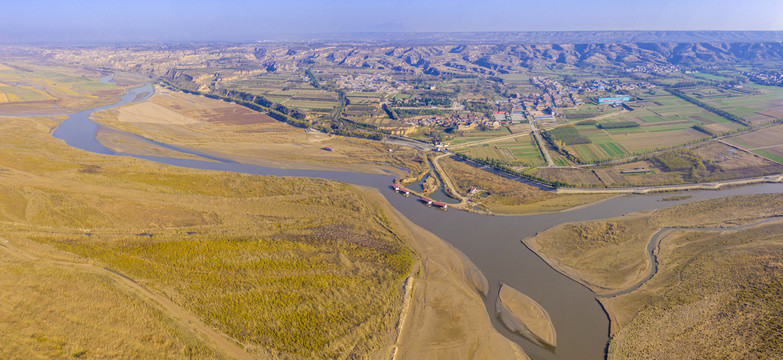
244, 20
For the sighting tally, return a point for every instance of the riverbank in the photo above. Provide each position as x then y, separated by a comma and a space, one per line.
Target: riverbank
634, 272
716, 295
772, 179
486, 241
447, 318
231, 131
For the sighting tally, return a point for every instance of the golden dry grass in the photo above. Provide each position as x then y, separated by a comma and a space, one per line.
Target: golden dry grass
608, 255
287, 267
605, 255
54, 311
717, 296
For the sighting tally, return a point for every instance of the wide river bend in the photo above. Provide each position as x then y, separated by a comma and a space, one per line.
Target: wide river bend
491, 242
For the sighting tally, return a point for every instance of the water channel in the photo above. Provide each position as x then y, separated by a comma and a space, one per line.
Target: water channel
491, 242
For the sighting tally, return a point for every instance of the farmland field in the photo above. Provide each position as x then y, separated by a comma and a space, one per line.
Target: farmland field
523, 149
771, 136
288, 89
761, 107
602, 146
664, 121
468, 139
489, 151
766, 142
642, 142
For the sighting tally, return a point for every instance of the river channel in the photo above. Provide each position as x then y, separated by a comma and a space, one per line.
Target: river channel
491, 242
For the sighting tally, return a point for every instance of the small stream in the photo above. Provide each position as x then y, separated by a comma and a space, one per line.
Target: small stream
491, 242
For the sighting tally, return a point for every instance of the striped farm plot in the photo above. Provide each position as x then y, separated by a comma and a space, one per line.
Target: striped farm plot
523, 150
659, 139
488, 151
756, 108
767, 142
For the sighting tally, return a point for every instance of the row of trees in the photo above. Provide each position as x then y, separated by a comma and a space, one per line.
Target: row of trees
261, 104
710, 108
501, 166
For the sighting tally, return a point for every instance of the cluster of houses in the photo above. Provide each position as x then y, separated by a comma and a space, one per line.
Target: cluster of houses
555, 94
616, 86
374, 83
773, 78
463, 122
654, 69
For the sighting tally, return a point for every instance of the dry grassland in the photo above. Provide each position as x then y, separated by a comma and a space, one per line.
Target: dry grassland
57, 311
291, 268
604, 255
608, 255
44, 89
716, 294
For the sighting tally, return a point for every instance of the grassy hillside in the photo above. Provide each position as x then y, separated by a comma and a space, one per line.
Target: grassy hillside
717, 290
717, 296
286, 267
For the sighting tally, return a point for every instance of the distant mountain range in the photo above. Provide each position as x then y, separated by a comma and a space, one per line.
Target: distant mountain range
547, 37
457, 54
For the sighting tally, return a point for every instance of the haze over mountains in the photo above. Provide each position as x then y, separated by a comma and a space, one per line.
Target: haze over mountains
548, 37
455, 54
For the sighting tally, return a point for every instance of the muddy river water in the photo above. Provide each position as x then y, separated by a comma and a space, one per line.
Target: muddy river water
493, 243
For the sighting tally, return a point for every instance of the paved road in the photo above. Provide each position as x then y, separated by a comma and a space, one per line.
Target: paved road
541, 145
418, 145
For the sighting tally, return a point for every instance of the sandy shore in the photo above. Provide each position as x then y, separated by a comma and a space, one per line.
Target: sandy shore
446, 317
524, 316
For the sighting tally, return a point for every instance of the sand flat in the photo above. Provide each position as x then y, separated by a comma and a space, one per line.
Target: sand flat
525, 316
149, 112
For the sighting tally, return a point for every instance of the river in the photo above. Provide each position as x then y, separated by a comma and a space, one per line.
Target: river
493, 243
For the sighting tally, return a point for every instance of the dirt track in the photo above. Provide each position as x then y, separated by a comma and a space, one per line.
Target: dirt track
183, 318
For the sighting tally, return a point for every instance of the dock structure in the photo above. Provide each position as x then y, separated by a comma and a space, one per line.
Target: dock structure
400, 189
441, 205
430, 202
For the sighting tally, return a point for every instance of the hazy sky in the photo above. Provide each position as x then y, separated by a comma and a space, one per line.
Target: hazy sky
238, 20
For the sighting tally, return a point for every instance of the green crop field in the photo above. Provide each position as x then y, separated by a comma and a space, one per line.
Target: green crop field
524, 150
488, 151
706, 76
769, 155
766, 105
467, 139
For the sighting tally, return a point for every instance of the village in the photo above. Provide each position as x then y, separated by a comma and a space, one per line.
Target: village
382, 83
772, 78
543, 107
